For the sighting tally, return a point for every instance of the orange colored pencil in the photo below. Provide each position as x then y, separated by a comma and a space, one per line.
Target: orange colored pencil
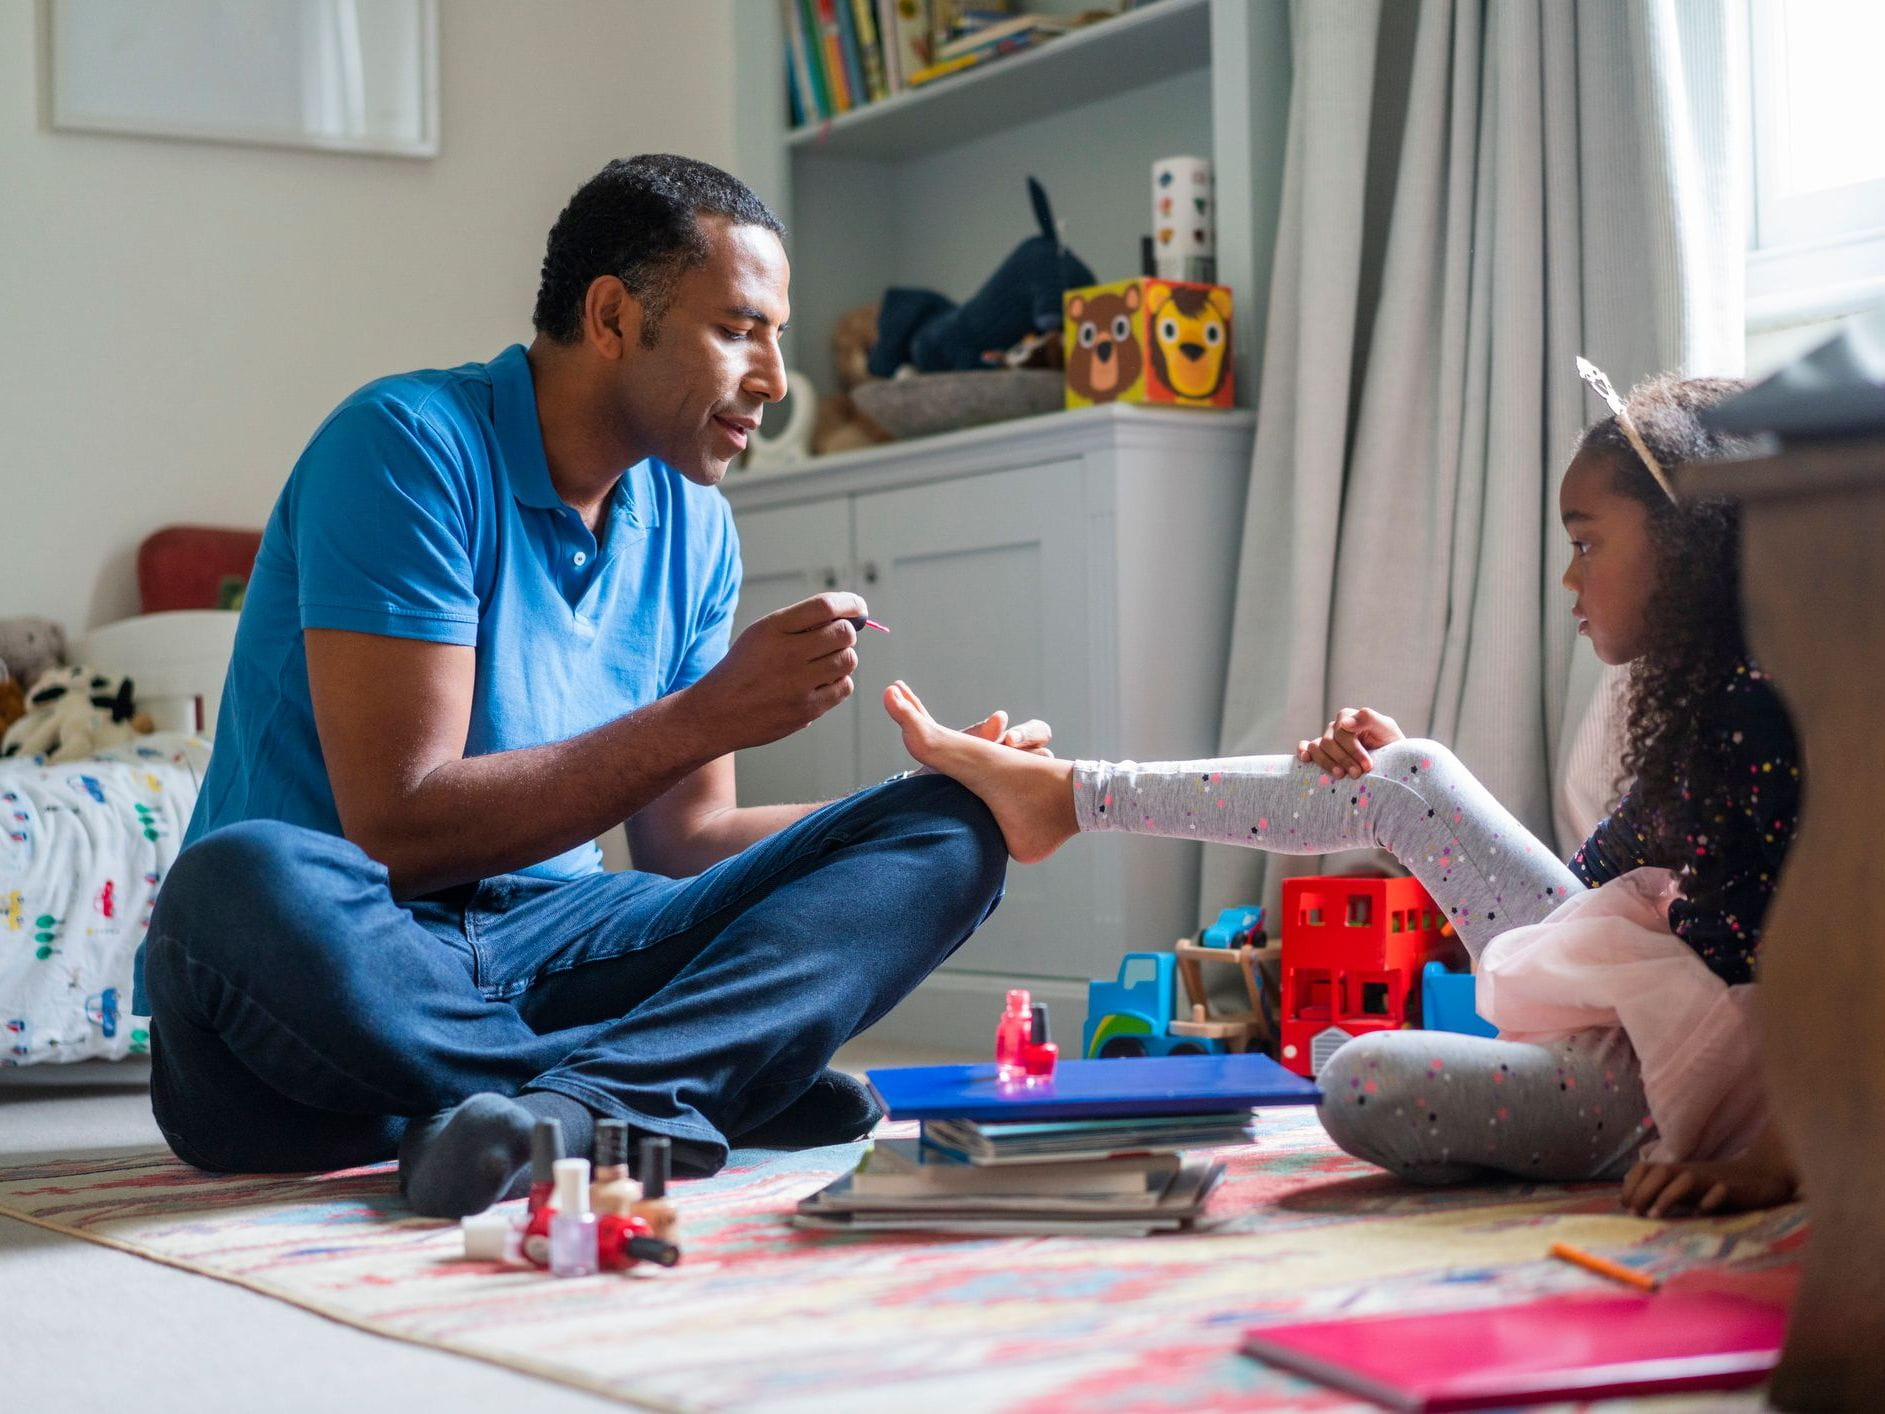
1604, 1267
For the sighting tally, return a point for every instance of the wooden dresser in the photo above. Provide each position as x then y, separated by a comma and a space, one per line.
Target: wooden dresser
1813, 554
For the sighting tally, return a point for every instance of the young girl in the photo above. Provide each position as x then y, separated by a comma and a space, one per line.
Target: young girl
1654, 583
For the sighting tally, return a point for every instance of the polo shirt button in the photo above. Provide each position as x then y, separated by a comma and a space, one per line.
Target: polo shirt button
581, 558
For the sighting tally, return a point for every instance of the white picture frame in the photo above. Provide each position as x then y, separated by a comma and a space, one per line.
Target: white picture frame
334, 75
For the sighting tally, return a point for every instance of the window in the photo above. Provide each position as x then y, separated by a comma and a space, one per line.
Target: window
1817, 244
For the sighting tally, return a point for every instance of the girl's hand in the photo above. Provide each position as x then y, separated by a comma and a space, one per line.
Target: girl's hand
1032, 736
1754, 1180
1342, 749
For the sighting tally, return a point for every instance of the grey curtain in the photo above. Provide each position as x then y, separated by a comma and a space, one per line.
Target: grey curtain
1475, 192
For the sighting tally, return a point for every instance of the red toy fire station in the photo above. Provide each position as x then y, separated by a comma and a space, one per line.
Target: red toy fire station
1353, 949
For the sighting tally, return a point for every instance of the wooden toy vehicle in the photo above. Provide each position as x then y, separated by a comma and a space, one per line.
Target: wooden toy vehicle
1352, 951
1134, 1015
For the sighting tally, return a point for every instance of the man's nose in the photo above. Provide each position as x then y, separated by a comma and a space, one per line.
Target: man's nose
767, 381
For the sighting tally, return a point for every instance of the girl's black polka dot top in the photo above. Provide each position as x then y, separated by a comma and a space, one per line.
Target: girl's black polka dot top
1735, 844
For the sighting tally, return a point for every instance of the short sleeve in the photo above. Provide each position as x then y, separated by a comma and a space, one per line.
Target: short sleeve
382, 526
711, 630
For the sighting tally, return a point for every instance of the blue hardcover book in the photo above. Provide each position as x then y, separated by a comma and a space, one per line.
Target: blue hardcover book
1091, 1089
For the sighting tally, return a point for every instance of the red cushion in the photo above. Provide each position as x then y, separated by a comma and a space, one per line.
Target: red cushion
185, 566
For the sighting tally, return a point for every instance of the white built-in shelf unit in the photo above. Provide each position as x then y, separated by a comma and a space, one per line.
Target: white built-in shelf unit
928, 188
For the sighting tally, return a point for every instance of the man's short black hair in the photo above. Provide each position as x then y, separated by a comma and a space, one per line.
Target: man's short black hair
636, 219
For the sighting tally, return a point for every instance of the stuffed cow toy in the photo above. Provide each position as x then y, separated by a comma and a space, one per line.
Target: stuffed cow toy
72, 713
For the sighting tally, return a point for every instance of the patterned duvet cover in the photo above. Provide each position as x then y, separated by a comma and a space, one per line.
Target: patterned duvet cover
83, 848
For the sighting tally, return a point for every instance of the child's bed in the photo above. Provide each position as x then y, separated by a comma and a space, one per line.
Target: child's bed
86, 843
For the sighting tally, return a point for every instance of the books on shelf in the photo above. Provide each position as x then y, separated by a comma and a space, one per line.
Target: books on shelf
1025, 28
831, 53
903, 26
843, 54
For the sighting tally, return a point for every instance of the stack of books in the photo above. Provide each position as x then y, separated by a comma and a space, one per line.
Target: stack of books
1099, 1149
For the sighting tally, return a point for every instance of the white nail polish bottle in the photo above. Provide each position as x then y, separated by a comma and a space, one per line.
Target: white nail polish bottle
573, 1250
493, 1237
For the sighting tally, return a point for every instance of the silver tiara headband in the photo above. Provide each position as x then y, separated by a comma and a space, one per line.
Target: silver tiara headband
1600, 385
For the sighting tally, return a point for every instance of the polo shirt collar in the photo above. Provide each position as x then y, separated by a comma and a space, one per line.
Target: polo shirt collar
520, 437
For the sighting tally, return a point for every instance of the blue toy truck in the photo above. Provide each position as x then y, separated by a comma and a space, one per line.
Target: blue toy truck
1137, 1014
1132, 1016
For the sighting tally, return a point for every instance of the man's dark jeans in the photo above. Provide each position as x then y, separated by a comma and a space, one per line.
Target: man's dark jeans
301, 1015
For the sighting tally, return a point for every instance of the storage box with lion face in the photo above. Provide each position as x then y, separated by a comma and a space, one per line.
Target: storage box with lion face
1148, 341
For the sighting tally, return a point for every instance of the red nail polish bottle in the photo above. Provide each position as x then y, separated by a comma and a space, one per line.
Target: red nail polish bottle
546, 1147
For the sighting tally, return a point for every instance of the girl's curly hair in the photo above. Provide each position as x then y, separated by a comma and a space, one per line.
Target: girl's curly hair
1695, 643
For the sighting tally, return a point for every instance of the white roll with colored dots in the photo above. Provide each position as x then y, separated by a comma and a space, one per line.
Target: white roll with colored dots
1184, 214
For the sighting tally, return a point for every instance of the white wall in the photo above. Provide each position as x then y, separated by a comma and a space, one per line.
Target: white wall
176, 317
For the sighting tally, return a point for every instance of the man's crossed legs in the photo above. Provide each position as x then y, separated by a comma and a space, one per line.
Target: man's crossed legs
303, 1020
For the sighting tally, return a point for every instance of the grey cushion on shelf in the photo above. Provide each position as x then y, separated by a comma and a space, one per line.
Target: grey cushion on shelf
927, 403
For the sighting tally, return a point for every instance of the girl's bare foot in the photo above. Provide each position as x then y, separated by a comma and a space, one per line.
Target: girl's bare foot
1031, 797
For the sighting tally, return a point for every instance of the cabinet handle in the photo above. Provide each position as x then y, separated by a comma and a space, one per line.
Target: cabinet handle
830, 576
870, 571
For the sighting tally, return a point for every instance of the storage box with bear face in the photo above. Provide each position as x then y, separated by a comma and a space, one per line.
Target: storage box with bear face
1148, 341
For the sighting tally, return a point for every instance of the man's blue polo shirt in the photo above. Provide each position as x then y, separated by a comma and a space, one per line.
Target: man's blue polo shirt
423, 508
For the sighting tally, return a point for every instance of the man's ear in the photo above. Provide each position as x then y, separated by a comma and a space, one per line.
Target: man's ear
612, 317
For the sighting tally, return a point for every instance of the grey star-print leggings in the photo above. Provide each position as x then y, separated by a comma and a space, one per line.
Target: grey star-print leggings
1432, 1106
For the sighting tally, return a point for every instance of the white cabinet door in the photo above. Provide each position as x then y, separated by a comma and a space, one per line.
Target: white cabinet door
791, 553
983, 581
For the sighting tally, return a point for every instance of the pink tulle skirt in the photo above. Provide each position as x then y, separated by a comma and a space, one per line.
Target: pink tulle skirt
1605, 959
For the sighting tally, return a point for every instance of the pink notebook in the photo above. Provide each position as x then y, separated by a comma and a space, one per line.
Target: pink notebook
1564, 1347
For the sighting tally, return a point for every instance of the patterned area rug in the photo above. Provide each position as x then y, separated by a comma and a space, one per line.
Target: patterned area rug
762, 1317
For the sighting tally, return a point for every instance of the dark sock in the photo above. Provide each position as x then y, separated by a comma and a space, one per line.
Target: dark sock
835, 1110
465, 1159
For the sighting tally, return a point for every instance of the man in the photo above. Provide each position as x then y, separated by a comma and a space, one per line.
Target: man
490, 620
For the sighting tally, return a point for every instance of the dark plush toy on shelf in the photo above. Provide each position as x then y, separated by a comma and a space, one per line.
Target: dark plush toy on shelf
923, 329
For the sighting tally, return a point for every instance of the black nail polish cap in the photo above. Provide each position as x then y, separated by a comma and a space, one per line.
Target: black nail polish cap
546, 1147
653, 1249
1038, 1033
654, 1167
611, 1143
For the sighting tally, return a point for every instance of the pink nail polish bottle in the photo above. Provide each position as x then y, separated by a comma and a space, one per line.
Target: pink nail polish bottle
1011, 1035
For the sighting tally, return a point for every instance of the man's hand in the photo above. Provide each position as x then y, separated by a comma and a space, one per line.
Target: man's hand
1342, 749
783, 673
